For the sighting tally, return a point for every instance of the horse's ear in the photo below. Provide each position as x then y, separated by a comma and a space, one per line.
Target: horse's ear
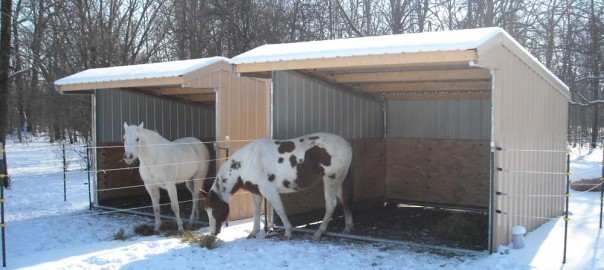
125, 125
141, 125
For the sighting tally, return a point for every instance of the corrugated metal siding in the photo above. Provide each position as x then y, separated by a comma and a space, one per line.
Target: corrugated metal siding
172, 119
529, 114
302, 105
439, 119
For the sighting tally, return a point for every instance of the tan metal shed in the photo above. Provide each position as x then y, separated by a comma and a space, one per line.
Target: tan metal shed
202, 98
450, 100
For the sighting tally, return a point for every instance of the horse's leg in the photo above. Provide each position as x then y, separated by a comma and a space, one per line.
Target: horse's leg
331, 202
275, 200
194, 187
347, 210
256, 202
154, 193
171, 188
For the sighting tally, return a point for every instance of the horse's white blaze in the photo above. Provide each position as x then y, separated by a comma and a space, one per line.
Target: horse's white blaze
267, 168
163, 164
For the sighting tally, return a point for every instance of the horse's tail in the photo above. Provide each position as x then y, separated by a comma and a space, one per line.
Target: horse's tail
348, 188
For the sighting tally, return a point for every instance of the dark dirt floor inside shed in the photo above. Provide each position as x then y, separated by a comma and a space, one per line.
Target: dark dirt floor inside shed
423, 225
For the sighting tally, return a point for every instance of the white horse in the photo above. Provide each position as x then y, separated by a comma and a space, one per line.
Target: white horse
267, 168
163, 164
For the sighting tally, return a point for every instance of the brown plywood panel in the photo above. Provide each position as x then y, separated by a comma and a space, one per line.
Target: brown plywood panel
113, 175
441, 172
369, 169
116, 181
304, 201
242, 115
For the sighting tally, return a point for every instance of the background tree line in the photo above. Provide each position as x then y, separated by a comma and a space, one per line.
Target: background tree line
55, 38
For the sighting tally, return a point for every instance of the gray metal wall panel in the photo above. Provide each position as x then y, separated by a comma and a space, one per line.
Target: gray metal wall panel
439, 119
172, 119
303, 105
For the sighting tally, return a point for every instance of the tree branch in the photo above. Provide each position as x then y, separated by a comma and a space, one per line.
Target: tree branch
349, 21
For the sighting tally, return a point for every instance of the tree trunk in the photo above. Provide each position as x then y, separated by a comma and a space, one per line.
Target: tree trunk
5, 29
595, 70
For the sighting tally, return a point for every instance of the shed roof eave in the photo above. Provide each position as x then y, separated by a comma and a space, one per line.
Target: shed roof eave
142, 75
378, 60
152, 82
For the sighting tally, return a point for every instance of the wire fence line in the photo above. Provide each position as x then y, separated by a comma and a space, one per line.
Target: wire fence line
173, 143
567, 151
128, 187
84, 146
577, 194
104, 212
128, 167
531, 172
570, 218
121, 169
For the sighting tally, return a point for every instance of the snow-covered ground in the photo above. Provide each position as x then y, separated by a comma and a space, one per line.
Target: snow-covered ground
44, 232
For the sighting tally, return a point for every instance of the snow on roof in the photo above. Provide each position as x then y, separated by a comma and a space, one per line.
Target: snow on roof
137, 72
375, 45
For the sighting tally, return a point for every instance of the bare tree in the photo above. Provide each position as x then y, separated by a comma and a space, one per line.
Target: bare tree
595, 50
5, 36
56, 38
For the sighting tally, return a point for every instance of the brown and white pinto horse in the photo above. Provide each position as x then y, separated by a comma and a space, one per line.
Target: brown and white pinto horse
267, 168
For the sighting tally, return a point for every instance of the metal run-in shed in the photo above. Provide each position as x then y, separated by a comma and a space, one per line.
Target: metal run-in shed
456, 119
201, 98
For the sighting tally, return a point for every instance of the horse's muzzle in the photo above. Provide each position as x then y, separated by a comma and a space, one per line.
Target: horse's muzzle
128, 158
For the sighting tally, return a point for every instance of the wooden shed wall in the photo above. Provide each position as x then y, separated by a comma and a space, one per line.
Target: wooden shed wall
440, 172
303, 105
529, 114
123, 188
242, 115
438, 152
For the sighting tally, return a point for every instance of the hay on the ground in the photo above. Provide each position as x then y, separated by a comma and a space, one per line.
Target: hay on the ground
202, 240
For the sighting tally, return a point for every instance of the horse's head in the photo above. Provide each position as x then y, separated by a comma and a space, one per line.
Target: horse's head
132, 142
216, 207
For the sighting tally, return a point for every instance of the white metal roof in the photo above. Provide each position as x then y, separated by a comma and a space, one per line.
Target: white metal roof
480, 40
375, 45
137, 72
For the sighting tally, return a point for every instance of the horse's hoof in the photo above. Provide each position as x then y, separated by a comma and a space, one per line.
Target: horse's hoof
316, 237
286, 237
251, 236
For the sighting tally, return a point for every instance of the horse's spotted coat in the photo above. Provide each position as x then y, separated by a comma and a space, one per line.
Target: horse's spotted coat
312, 159
286, 147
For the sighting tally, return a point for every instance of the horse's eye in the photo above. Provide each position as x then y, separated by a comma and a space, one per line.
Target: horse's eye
137, 139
